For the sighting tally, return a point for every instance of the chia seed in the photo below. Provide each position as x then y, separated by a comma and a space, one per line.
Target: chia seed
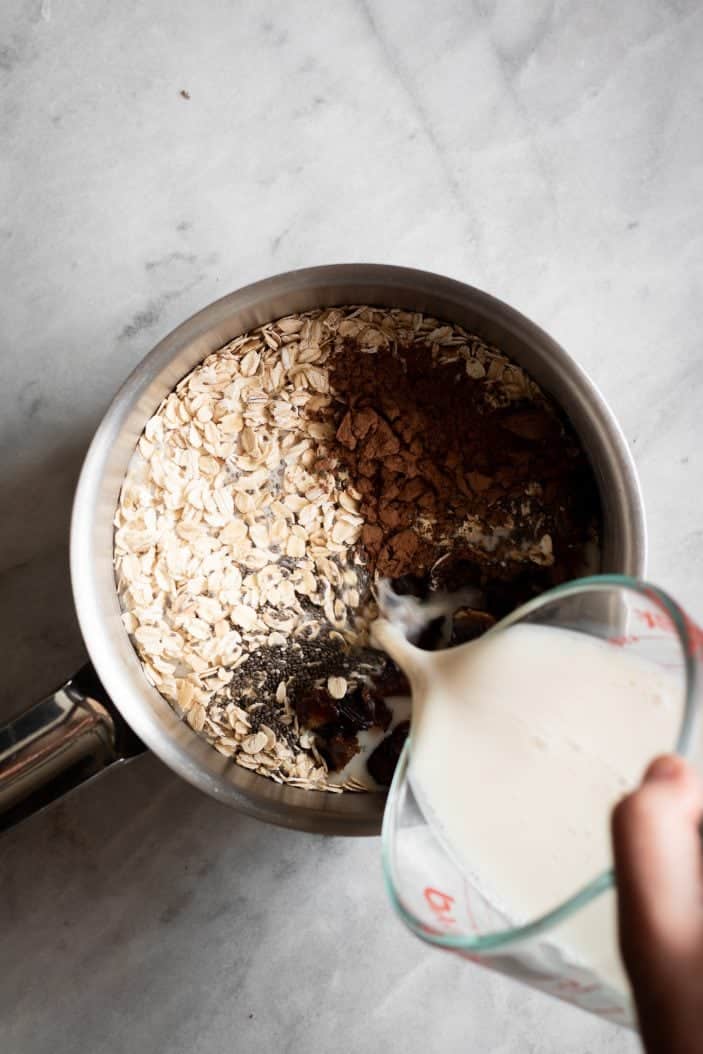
302, 665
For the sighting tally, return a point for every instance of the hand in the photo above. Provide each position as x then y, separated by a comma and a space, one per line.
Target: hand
659, 867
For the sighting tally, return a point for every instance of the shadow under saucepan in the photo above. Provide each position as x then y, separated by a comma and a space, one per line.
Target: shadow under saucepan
42, 644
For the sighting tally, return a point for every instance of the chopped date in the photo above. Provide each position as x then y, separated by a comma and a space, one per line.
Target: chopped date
336, 722
383, 760
338, 750
391, 681
468, 624
316, 709
382, 716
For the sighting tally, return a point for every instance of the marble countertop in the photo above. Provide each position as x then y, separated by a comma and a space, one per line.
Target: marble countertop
158, 155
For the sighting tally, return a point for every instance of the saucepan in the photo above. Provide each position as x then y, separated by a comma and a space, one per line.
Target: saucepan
109, 712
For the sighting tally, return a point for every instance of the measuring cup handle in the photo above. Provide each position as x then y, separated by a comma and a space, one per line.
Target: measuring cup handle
56, 744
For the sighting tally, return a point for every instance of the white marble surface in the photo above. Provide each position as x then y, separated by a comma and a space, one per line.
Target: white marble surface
549, 152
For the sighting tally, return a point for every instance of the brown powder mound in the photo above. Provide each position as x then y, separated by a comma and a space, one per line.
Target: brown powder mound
428, 451
456, 489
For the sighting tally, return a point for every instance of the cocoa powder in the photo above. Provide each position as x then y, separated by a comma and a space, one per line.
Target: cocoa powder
430, 451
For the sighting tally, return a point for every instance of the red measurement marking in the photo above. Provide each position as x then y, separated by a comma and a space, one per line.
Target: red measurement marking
621, 642
661, 621
656, 620
441, 904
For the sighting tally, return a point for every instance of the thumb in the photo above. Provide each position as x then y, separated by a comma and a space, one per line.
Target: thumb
657, 850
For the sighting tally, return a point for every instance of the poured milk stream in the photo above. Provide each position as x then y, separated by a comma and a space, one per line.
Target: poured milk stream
521, 743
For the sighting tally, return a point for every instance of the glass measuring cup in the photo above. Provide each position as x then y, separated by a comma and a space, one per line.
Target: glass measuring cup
439, 898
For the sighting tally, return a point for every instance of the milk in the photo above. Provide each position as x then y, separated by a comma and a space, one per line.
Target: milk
521, 744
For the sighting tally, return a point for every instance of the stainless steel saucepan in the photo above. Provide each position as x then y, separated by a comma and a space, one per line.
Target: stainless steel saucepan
93, 721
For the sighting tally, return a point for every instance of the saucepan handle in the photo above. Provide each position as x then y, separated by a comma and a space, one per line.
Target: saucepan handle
58, 743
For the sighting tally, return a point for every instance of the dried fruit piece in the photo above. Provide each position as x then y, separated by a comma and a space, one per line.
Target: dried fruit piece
383, 760
338, 750
468, 624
